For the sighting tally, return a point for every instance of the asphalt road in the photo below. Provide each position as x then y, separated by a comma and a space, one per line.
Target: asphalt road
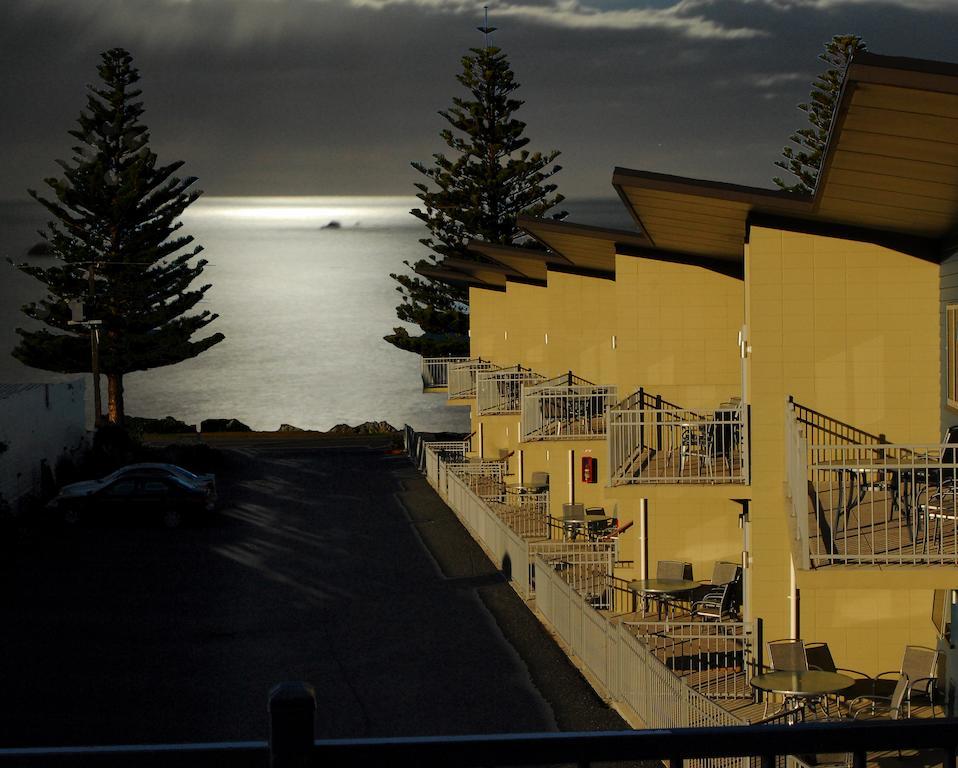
330, 562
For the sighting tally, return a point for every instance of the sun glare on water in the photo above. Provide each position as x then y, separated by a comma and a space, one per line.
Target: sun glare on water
310, 212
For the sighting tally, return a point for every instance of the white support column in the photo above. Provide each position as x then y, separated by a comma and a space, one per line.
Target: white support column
643, 538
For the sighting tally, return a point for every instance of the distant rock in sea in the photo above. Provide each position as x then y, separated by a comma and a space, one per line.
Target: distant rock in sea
165, 426
223, 425
40, 249
289, 428
332, 225
366, 428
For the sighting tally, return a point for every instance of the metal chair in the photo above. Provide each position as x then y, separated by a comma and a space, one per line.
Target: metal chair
786, 656
920, 666
711, 593
893, 706
717, 604
672, 570
573, 516
819, 656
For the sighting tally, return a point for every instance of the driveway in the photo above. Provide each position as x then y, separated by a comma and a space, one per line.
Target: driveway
331, 562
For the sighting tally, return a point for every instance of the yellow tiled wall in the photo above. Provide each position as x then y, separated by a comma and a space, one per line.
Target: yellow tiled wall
849, 329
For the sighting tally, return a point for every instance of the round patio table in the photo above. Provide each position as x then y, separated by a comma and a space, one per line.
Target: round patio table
804, 687
654, 587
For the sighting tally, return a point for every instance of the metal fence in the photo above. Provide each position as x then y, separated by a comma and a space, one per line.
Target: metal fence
462, 377
526, 512
564, 408
667, 444
507, 549
624, 668
500, 392
715, 658
586, 566
483, 477
435, 371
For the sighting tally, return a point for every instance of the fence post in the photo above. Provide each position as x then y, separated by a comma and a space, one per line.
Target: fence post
291, 710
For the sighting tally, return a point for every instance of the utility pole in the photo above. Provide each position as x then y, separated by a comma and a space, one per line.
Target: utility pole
79, 318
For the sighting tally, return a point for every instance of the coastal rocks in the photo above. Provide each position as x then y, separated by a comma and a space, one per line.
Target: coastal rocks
289, 428
223, 425
366, 428
165, 426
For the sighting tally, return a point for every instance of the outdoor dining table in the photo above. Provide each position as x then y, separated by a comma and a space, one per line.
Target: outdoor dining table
802, 687
656, 588
852, 472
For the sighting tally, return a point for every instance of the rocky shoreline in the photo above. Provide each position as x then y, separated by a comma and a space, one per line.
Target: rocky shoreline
171, 426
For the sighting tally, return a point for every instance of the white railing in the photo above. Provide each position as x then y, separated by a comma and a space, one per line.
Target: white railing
626, 670
714, 658
673, 445
883, 504
435, 371
585, 565
507, 549
462, 377
859, 500
483, 477
564, 411
499, 392
526, 512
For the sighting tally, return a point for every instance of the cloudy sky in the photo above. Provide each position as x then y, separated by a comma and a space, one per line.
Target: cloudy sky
270, 97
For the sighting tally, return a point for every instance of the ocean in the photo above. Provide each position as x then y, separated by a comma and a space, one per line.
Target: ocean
303, 306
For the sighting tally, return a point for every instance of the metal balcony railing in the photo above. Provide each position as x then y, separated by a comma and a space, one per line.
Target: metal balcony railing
566, 407
499, 392
484, 478
435, 371
462, 377
856, 499
653, 441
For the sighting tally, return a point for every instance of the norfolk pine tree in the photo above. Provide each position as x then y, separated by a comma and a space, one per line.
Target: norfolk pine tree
806, 162
477, 193
115, 212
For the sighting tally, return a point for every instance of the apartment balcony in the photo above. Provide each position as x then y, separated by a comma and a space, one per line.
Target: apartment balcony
654, 441
435, 372
857, 499
462, 377
565, 408
500, 391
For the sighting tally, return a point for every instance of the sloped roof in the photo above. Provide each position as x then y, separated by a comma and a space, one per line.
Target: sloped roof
890, 165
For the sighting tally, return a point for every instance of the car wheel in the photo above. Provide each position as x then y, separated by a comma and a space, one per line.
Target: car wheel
172, 518
71, 515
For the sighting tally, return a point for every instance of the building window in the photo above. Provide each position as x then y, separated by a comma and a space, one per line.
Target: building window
951, 342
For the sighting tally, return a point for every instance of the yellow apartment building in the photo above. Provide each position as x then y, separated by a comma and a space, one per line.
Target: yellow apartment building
760, 376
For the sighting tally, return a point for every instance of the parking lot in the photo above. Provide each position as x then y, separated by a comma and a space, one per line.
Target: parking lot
330, 562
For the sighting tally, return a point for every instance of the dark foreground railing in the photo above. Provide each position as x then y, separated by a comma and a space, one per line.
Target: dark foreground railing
291, 744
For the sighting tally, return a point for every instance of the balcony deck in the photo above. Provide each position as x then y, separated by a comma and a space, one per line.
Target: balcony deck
870, 528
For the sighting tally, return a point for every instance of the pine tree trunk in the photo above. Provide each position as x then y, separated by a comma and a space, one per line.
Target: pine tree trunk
114, 383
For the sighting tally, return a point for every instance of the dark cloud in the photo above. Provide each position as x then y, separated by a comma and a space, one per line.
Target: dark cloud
313, 97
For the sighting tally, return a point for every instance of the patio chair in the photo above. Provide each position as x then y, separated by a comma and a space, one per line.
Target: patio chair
573, 517
717, 605
872, 706
723, 573
935, 489
785, 656
819, 656
672, 570
920, 666
539, 481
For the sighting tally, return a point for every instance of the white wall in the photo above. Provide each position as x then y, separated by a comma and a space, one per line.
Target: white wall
37, 422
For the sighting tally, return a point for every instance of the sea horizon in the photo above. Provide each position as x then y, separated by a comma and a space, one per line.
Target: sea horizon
302, 288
